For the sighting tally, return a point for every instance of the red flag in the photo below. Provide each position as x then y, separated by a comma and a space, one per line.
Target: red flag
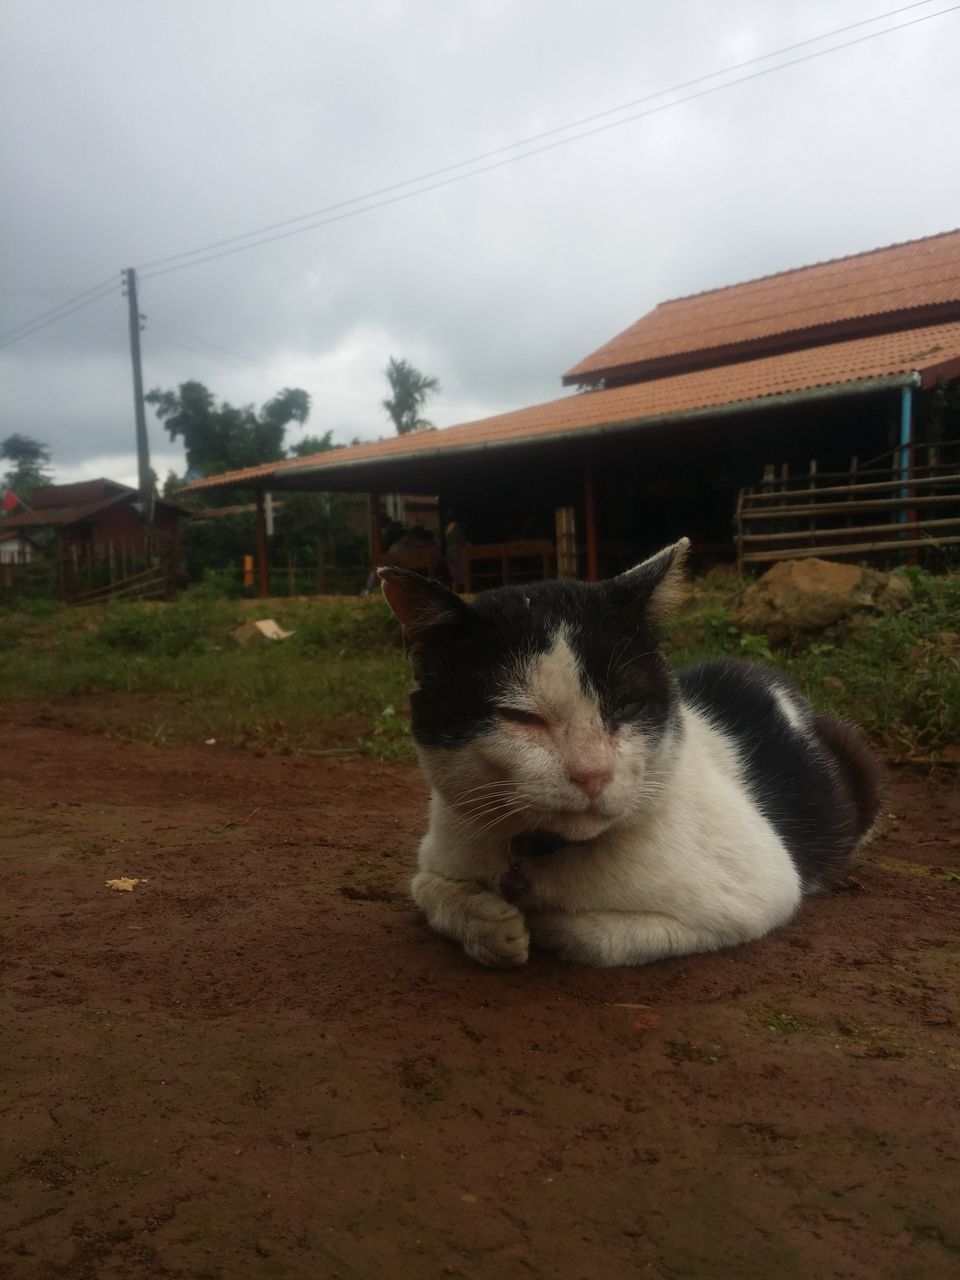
10, 500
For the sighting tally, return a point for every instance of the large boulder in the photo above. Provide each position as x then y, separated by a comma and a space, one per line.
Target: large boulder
798, 598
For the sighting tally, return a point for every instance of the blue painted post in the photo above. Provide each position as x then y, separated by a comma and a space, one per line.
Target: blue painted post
906, 443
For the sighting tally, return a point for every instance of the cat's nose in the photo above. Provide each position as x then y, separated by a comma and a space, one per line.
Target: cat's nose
591, 781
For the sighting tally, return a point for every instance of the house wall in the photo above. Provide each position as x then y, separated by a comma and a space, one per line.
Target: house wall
120, 523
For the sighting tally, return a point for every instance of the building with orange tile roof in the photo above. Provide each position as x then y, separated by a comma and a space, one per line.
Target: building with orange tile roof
686, 407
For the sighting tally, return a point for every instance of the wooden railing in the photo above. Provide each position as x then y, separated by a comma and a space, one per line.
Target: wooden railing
495, 564
899, 506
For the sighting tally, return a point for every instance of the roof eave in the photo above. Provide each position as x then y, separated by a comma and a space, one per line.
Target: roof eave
863, 386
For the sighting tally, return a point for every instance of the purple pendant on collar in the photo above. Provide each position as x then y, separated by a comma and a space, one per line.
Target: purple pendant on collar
513, 884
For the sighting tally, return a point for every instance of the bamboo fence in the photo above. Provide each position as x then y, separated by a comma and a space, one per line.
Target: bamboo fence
903, 507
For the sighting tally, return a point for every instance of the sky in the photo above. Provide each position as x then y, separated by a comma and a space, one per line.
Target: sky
135, 132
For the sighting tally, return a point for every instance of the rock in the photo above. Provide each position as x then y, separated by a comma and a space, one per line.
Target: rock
894, 593
798, 598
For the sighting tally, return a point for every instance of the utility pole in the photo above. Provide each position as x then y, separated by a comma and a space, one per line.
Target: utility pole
143, 447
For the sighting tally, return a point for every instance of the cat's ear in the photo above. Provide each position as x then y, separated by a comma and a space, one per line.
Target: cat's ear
656, 583
419, 604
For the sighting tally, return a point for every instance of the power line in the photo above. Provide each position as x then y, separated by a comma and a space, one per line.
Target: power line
28, 324
84, 299
345, 209
203, 342
195, 345
235, 361
194, 350
40, 322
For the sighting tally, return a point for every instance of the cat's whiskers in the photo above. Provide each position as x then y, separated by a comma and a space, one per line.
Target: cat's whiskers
482, 805
483, 814
487, 787
614, 654
480, 810
496, 821
527, 808
479, 798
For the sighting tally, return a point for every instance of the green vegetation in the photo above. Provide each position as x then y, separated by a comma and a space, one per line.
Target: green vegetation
897, 677
221, 437
28, 465
409, 391
332, 686
175, 673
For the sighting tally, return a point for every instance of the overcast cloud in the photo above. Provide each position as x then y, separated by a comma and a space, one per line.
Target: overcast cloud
135, 131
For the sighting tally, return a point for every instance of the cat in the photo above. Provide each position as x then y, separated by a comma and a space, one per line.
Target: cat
588, 797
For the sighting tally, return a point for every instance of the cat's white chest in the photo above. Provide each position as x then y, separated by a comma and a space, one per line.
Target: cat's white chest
705, 853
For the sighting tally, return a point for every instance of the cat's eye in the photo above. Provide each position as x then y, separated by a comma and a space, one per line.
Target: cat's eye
629, 711
518, 716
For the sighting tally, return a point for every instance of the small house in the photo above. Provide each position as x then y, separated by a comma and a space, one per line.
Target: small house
96, 538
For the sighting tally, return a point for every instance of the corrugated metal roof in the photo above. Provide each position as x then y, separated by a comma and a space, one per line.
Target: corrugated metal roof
75, 502
857, 291
81, 493
932, 351
61, 515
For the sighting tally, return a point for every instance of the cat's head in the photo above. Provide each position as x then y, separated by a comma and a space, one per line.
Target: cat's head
546, 706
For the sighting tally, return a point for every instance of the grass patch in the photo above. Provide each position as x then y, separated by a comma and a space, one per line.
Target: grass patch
342, 681
782, 1021
335, 683
895, 866
854, 1036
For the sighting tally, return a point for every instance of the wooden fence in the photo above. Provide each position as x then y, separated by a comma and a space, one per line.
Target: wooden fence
322, 578
904, 506
85, 573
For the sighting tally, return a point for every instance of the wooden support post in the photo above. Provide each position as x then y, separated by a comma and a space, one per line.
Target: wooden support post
376, 546
590, 520
262, 545
566, 542
852, 477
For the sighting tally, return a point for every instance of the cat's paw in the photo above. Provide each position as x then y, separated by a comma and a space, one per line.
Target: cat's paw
497, 934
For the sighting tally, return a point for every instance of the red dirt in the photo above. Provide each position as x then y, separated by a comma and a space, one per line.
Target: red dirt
260, 1063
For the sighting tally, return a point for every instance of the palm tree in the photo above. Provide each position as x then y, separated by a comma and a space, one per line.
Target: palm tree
410, 389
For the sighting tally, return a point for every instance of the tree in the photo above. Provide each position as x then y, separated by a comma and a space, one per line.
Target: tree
222, 437
310, 445
29, 462
291, 405
410, 390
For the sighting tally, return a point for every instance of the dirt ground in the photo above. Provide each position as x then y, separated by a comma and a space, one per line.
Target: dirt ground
259, 1062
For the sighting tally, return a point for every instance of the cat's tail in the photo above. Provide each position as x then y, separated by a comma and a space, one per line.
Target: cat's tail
859, 771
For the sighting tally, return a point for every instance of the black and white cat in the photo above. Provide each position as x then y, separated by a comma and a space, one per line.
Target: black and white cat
589, 797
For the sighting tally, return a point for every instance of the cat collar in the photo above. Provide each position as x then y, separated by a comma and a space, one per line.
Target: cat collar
532, 844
